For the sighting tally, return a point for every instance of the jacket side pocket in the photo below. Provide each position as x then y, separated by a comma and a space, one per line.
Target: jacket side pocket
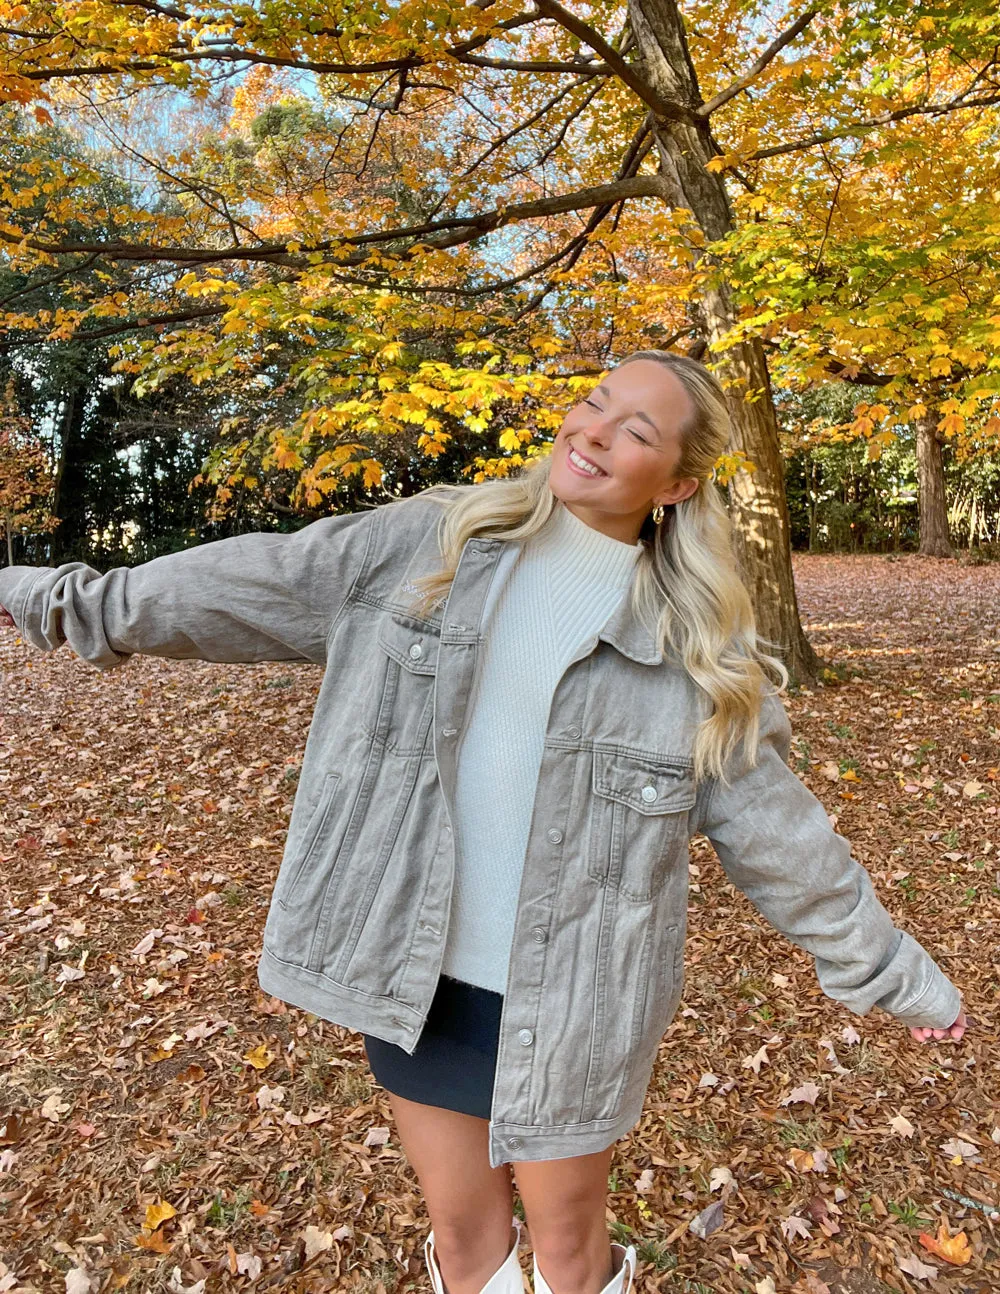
311, 835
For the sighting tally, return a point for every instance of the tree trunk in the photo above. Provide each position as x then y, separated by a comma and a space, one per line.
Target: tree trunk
757, 500
9, 527
934, 538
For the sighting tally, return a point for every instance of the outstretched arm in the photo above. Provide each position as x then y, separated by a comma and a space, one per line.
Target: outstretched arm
776, 844
247, 598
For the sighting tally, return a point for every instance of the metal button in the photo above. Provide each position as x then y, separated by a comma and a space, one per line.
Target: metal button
513, 1143
416, 651
526, 1037
573, 731
648, 793
539, 935
554, 834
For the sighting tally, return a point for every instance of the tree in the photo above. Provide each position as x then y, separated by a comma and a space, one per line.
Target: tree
26, 484
472, 192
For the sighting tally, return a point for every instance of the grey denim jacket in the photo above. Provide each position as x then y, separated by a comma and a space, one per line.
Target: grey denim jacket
359, 914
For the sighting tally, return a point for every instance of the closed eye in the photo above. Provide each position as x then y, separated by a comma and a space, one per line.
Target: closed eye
642, 440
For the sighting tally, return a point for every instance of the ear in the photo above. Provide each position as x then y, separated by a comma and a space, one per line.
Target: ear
678, 492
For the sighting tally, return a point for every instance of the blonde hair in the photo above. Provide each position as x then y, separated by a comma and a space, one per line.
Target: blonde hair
686, 581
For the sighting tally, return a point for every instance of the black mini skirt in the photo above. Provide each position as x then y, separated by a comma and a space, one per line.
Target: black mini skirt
454, 1063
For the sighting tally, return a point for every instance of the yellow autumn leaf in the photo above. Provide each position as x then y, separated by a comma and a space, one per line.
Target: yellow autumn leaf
157, 1213
259, 1057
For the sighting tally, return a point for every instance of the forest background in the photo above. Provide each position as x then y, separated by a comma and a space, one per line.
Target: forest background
260, 263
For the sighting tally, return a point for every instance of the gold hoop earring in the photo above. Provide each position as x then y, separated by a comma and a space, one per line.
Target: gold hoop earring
658, 513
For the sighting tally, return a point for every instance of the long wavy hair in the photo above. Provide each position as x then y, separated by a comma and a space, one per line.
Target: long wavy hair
686, 583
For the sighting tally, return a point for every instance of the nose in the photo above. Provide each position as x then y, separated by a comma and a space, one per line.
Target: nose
598, 428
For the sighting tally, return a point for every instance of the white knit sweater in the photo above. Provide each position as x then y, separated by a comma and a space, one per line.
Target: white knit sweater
560, 592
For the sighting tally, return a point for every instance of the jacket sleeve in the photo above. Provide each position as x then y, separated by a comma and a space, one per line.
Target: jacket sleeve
775, 843
247, 598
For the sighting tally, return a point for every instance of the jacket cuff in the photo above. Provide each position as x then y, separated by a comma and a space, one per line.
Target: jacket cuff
937, 1006
15, 585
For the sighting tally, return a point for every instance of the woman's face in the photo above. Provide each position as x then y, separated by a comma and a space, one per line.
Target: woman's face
628, 428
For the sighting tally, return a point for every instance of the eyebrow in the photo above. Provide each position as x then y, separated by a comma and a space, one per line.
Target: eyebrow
638, 413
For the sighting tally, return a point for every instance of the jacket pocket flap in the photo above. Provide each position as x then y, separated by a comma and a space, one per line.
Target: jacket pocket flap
410, 642
647, 785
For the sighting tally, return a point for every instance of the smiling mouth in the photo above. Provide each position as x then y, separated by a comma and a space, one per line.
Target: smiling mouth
582, 465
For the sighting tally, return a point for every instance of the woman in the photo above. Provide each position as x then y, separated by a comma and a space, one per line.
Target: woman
486, 866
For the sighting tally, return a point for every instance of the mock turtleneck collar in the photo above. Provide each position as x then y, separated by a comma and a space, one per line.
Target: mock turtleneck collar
566, 527
579, 552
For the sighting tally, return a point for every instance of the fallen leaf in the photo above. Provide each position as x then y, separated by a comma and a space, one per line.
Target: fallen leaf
644, 1182
157, 1213
952, 1248
960, 1151
766, 1286
720, 1177
316, 1241
708, 1080
811, 1284
707, 1221
269, 1097
807, 1093
808, 1161
912, 1266
901, 1126
52, 1108
819, 1210
755, 1061
259, 1057
793, 1225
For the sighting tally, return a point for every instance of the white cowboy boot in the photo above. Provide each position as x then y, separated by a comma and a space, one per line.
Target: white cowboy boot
620, 1283
507, 1279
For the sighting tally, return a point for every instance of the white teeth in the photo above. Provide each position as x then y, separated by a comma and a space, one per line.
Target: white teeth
583, 464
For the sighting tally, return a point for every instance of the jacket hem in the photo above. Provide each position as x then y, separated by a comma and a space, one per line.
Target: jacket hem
383, 1017
511, 1143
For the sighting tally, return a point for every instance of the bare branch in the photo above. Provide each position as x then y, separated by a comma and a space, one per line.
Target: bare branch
514, 65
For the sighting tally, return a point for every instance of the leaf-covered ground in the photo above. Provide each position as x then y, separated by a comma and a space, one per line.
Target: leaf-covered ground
166, 1126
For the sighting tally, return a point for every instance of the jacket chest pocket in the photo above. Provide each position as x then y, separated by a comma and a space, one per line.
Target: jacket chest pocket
639, 810
399, 715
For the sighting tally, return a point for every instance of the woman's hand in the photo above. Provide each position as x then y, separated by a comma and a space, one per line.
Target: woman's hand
955, 1030
6, 619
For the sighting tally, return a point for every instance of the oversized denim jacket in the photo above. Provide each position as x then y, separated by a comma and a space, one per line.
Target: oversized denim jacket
359, 913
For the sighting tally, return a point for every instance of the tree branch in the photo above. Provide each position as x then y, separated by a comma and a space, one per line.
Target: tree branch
731, 91
624, 71
900, 114
450, 233
115, 330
